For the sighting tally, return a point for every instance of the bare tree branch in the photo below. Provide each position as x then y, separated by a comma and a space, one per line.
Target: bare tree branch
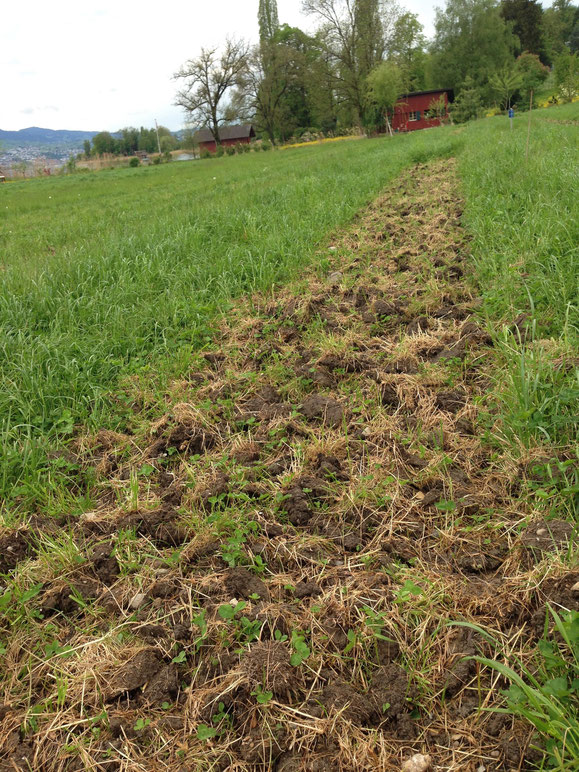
207, 81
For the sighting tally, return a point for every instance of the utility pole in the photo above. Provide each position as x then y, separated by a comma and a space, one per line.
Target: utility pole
158, 140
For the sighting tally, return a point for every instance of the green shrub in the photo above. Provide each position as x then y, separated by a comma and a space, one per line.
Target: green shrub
205, 153
230, 150
134, 162
266, 145
157, 160
220, 151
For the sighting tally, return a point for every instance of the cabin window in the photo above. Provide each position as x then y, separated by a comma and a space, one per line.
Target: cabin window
414, 116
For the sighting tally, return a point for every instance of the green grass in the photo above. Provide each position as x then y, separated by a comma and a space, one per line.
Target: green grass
546, 693
106, 274
524, 219
568, 112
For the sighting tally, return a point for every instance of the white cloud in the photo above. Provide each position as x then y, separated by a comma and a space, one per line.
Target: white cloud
109, 66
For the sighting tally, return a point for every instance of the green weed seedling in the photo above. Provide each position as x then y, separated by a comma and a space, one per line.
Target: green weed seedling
227, 611
301, 650
245, 630
262, 696
407, 592
205, 732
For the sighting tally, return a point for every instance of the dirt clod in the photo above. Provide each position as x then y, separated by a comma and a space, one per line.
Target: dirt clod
451, 401
547, 536
185, 437
14, 547
267, 665
135, 673
307, 590
325, 409
241, 583
340, 696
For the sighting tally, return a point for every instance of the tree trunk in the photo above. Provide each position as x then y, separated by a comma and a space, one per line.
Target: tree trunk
215, 128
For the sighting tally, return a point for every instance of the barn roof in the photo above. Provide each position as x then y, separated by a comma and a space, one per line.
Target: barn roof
241, 131
449, 91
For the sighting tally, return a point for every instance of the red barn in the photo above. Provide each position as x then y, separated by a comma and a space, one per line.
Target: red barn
415, 111
228, 135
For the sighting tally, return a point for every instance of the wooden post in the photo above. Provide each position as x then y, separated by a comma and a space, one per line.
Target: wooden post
529, 127
158, 140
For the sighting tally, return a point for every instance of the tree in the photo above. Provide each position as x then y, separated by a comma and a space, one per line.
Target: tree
353, 34
437, 108
104, 142
261, 87
385, 85
532, 73
468, 103
168, 143
406, 49
559, 23
309, 99
471, 40
208, 81
505, 83
567, 75
166, 138
574, 36
526, 17
86, 146
130, 140
268, 19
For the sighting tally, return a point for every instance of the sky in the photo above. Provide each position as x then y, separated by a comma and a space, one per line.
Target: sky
105, 64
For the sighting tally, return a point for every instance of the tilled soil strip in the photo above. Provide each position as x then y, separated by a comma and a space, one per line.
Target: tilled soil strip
270, 578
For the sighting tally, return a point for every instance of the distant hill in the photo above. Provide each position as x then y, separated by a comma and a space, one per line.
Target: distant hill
36, 135
34, 142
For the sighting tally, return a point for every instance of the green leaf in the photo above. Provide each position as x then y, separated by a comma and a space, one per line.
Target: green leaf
445, 506
263, 697
181, 657
31, 593
557, 687
407, 590
227, 611
205, 732
352, 640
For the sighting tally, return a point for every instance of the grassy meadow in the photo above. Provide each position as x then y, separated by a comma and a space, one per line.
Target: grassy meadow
567, 112
108, 274
105, 274
289, 458
523, 216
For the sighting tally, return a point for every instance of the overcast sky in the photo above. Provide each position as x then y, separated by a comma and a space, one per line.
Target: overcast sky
105, 64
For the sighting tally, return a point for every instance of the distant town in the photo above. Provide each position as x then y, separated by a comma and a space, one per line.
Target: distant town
34, 146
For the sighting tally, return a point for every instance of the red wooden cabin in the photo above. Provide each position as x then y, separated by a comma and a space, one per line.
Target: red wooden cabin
413, 111
228, 135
